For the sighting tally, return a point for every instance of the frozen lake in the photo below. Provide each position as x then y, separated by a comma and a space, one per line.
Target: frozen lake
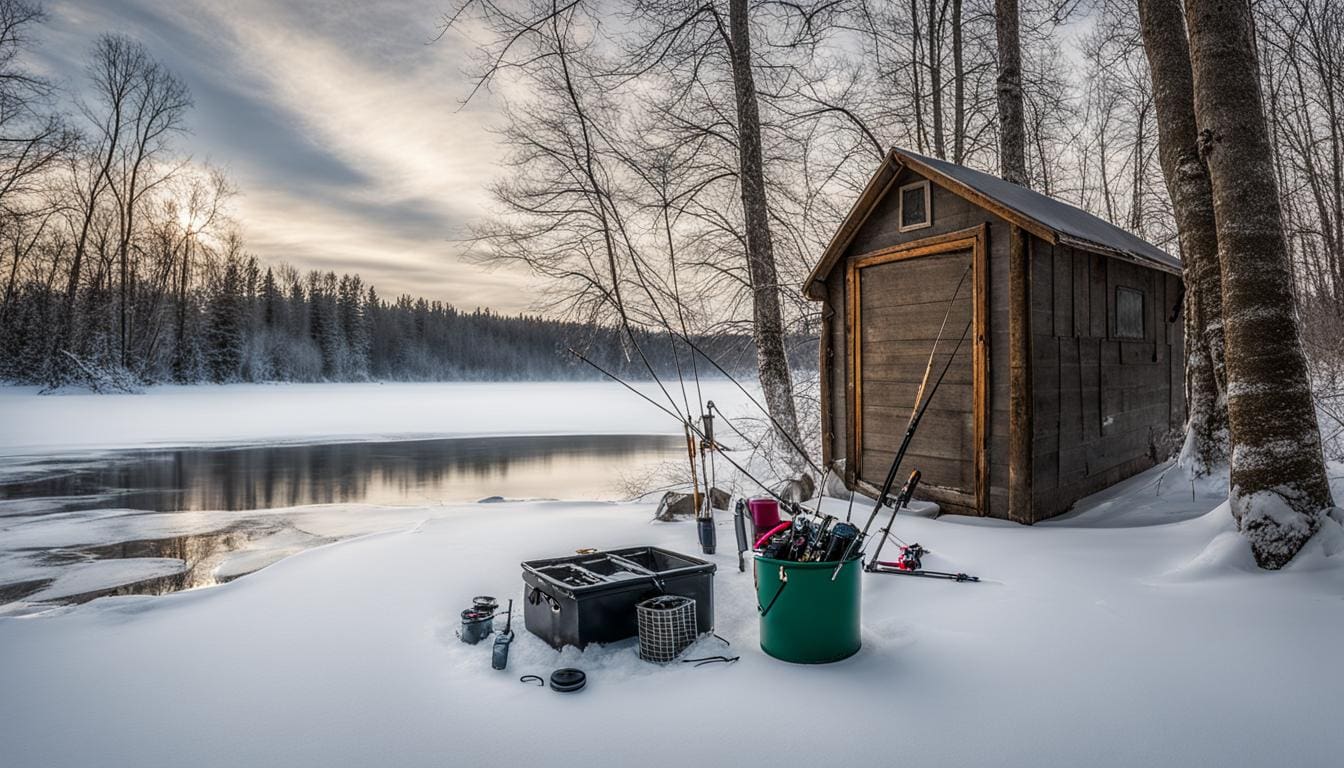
185, 487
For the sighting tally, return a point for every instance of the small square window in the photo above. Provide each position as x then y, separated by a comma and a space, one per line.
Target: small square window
915, 212
1128, 313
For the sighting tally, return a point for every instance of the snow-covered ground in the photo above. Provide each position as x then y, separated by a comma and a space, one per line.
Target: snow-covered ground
1134, 632
260, 413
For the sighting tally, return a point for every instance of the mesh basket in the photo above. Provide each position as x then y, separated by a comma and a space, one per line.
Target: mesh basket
666, 627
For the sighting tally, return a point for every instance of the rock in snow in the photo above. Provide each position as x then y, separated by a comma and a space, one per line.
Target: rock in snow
676, 505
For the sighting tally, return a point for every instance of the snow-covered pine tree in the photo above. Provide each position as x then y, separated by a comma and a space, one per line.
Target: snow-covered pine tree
224, 333
271, 306
322, 326
354, 327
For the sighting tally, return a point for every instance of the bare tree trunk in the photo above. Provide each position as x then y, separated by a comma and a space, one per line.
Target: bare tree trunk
1012, 125
958, 89
1279, 487
180, 330
936, 79
768, 323
1163, 27
1136, 183
921, 141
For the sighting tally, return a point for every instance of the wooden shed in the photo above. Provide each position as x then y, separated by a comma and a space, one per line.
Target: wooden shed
1071, 373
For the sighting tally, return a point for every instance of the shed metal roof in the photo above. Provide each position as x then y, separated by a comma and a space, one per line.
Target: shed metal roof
1043, 216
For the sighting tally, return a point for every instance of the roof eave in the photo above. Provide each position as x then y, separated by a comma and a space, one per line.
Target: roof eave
872, 193
1136, 258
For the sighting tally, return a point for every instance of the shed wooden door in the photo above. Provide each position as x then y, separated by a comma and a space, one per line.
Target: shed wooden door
899, 302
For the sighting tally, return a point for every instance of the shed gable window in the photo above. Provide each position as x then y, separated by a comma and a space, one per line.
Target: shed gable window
915, 208
1129, 313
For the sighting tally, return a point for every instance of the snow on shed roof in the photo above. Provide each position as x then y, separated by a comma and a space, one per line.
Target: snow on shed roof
1046, 217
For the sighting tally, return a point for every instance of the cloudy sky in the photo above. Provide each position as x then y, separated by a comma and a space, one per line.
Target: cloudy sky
337, 120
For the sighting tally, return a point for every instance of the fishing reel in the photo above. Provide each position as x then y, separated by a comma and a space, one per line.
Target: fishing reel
780, 547
911, 558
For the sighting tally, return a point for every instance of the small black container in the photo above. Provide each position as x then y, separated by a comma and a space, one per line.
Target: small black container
708, 542
591, 598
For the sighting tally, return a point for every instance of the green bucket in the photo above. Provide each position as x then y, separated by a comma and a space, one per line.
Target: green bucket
807, 618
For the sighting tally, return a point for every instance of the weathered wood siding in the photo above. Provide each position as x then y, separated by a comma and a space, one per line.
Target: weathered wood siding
1104, 407
950, 214
902, 305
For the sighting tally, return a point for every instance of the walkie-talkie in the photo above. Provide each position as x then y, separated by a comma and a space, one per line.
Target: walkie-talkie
499, 658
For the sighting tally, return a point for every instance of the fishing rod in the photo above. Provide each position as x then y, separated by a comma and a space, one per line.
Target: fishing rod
911, 564
926, 574
921, 406
686, 422
900, 453
902, 500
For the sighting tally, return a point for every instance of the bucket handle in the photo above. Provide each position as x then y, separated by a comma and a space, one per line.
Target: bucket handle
536, 596
783, 582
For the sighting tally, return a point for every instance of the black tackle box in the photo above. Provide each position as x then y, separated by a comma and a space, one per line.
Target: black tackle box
591, 598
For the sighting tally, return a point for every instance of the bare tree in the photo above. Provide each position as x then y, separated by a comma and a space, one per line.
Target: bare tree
1301, 45
33, 139
194, 207
675, 74
772, 361
112, 71
156, 107
1163, 26
1012, 126
906, 65
1279, 489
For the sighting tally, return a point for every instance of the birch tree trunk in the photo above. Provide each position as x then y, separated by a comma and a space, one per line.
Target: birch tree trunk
1012, 126
768, 323
1162, 24
1279, 488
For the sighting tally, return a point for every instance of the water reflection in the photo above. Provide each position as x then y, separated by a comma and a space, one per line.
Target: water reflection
407, 472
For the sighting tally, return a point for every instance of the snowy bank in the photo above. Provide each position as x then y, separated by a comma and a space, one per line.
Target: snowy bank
1095, 640
259, 413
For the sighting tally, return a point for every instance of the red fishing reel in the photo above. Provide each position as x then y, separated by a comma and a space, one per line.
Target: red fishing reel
911, 557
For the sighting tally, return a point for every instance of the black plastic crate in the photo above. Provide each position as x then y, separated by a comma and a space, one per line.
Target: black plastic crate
591, 598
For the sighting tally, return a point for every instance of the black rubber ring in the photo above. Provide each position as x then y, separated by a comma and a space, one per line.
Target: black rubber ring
528, 678
568, 680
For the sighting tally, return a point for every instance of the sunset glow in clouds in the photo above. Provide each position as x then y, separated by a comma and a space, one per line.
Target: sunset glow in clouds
340, 123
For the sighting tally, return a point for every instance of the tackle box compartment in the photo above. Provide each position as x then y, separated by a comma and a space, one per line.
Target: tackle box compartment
581, 599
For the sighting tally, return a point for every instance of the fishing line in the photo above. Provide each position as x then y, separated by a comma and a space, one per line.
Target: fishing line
694, 429
753, 400
757, 445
